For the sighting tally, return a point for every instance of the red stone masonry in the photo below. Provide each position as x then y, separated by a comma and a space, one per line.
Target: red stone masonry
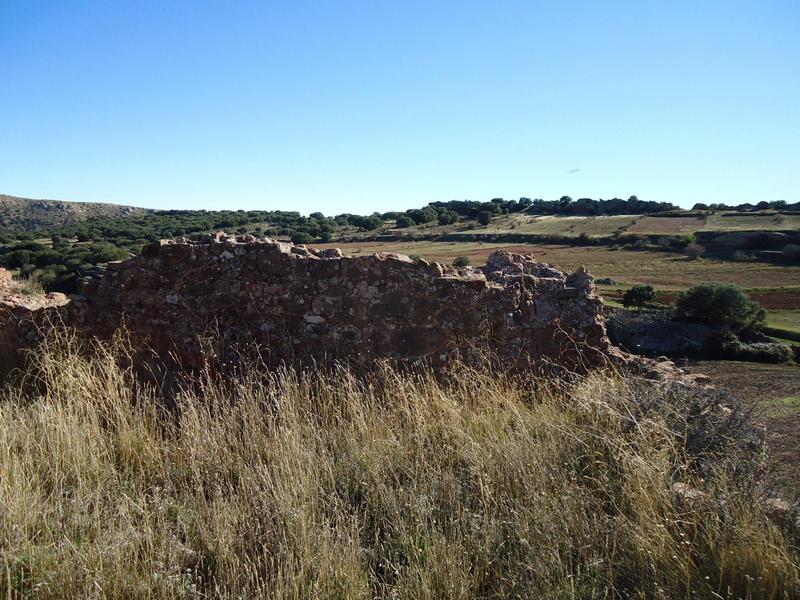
296, 303
22, 317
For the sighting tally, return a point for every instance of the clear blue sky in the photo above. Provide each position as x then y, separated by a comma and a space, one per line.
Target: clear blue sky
363, 106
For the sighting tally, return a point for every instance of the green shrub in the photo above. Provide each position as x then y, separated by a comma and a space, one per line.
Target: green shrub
638, 296
461, 261
719, 304
301, 237
447, 217
484, 217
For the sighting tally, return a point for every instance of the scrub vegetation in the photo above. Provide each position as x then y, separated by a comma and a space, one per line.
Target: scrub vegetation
392, 484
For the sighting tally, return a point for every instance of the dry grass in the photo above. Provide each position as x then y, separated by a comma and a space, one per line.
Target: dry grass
667, 225
392, 485
29, 286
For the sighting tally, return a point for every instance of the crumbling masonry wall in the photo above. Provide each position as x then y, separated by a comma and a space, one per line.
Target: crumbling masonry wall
23, 318
294, 303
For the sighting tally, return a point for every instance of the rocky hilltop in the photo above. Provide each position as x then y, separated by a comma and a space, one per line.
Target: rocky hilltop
295, 303
27, 213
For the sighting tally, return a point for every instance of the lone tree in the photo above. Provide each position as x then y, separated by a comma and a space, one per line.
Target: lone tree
638, 296
720, 304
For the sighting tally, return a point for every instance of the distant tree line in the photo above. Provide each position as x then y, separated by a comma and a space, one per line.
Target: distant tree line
60, 255
445, 213
781, 205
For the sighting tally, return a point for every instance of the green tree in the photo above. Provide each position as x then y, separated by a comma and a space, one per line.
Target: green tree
461, 261
638, 296
425, 215
719, 304
484, 217
447, 217
301, 237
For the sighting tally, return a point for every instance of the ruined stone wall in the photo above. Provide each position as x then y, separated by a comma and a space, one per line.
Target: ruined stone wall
22, 318
296, 303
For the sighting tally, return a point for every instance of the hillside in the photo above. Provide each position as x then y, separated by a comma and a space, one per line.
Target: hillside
597, 227
27, 213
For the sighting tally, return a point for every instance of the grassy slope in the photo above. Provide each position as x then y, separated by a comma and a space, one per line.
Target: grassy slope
394, 486
788, 320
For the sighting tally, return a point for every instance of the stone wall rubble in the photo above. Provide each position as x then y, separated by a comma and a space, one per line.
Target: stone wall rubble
298, 303
22, 317
294, 303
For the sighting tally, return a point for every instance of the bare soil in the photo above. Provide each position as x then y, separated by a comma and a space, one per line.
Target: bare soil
774, 393
772, 300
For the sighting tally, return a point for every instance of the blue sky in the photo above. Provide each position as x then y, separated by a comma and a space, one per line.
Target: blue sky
362, 106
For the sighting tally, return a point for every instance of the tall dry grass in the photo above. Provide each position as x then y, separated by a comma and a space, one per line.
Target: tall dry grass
392, 485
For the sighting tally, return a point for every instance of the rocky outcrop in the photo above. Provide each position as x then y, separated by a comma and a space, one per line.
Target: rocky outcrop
652, 332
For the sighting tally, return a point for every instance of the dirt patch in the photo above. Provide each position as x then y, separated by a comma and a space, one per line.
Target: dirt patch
778, 300
774, 300
774, 392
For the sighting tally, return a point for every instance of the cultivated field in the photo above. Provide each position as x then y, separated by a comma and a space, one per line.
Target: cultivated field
667, 225
732, 221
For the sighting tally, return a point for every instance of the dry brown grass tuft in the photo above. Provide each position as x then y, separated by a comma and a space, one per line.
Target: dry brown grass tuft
395, 485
